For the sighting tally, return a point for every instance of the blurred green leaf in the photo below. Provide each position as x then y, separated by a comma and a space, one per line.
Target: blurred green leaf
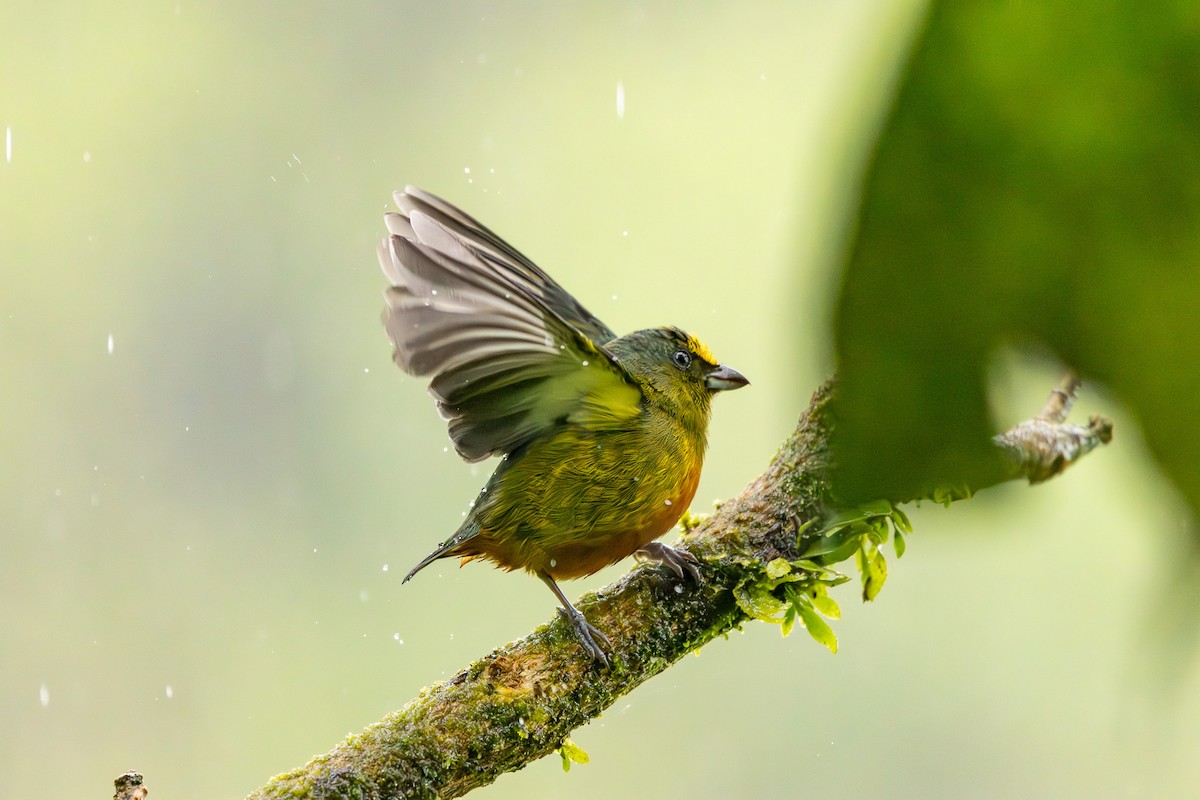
899, 543
789, 620
878, 530
1037, 185
873, 568
862, 512
758, 603
826, 605
778, 568
569, 751
833, 548
817, 628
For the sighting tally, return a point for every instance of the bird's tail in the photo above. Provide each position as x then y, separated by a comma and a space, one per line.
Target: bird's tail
449, 548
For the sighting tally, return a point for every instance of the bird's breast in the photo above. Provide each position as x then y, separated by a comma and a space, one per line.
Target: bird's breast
580, 501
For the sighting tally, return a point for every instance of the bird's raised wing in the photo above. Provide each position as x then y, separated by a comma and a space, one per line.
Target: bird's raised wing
511, 353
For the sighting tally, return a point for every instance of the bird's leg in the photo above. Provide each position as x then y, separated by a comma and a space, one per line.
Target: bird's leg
589, 636
676, 558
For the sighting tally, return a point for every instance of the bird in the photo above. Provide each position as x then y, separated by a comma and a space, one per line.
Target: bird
600, 438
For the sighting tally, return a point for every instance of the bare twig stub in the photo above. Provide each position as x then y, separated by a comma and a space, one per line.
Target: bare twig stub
129, 787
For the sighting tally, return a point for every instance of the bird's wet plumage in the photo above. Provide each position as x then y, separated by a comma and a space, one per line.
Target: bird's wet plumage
602, 437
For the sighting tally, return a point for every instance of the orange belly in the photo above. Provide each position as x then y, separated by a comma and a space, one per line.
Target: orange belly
578, 554
577, 559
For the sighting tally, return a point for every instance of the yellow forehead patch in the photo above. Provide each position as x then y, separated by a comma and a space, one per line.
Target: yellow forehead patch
699, 348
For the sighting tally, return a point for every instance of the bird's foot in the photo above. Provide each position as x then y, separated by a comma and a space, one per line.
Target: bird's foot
589, 635
679, 561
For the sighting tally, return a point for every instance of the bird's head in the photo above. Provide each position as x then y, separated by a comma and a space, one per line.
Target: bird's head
675, 370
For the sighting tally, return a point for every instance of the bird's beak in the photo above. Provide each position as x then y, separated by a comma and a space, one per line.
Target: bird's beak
723, 378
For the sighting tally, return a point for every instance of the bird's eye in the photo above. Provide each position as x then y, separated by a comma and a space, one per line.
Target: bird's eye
682, 359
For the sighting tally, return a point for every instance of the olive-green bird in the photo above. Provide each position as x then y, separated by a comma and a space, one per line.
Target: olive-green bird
601, 437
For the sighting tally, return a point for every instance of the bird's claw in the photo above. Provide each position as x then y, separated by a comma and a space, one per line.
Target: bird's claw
677, 559
589, 635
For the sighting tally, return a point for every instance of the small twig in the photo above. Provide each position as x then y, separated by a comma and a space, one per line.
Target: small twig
1046, 445
1062, 397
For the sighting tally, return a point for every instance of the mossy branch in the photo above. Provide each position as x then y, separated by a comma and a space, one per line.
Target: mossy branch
522, 701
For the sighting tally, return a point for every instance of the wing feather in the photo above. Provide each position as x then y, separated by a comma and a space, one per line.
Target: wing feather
510, 352
490, 247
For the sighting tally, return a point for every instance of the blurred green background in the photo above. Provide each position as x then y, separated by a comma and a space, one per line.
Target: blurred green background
212, 477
